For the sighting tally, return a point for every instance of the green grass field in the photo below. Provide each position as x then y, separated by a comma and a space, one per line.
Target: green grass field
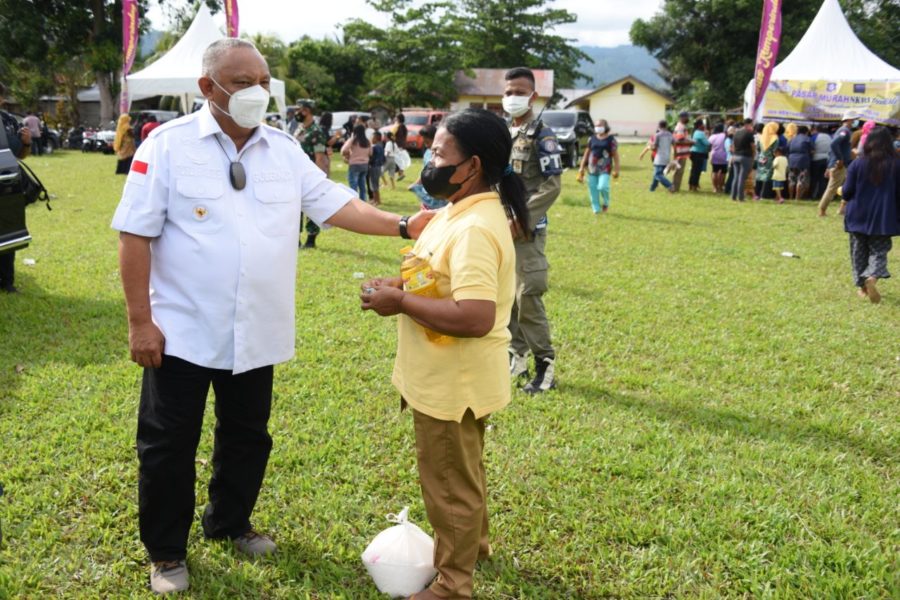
727, 423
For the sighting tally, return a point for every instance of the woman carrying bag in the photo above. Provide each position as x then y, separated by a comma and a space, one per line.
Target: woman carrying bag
454, 381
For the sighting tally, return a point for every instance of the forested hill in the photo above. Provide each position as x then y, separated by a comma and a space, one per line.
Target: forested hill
612, 63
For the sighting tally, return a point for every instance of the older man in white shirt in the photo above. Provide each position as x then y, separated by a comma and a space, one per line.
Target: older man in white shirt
209, 222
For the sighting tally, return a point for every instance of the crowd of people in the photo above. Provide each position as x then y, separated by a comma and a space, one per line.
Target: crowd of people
762, 160
860, 161
781, 162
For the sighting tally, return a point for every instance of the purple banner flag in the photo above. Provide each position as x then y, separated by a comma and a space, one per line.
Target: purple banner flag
130, 33
231, 18
767, 50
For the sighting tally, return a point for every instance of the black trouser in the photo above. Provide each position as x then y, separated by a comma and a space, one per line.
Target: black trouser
697, 160
170, 417
817, 180
311, 227
730, 178
7, 270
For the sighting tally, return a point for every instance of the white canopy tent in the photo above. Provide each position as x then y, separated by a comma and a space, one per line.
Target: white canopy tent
176, 72
828, 51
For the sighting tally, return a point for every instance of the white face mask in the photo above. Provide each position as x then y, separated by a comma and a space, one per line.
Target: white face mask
600, 129
246, 107
516, 106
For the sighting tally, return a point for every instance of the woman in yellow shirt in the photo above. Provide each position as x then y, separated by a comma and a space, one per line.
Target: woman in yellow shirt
454, 383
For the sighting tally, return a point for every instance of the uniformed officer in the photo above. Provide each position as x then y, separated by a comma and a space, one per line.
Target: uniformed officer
312, 141
209, 222
536, 158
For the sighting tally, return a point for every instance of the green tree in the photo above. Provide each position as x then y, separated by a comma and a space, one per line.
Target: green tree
707, 48
412, 61
517, 33
328, 71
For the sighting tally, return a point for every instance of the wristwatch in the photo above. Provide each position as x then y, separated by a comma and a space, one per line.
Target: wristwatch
404, 231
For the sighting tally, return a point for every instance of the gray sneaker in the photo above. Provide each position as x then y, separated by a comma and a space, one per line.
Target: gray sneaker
168, 576
254, 544
518, 365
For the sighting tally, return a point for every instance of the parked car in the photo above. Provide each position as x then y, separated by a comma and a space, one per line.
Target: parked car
573, 129
13, 233
50, 138
416, 119
340, 117
161, 115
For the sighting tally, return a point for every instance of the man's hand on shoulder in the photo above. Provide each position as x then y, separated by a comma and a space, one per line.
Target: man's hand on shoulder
418, 221
147, 343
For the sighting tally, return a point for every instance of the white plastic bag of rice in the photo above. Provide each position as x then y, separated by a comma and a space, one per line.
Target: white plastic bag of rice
400, 558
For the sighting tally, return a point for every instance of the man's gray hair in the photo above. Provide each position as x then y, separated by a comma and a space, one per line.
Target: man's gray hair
213, 55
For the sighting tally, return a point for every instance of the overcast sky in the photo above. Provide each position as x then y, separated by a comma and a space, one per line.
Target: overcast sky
600, 22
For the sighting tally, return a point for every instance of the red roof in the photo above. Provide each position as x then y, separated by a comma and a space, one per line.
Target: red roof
490, 82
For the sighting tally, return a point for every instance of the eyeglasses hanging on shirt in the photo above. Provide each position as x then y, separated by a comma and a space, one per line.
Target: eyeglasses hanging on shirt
236, 173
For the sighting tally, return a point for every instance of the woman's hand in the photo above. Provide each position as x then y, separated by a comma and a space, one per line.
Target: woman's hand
384, 300
580, 177
378, 282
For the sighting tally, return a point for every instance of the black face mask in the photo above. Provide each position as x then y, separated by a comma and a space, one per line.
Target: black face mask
436, 180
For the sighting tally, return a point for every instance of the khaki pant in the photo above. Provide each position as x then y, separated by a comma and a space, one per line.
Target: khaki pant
838, 176
528, 322
454, 488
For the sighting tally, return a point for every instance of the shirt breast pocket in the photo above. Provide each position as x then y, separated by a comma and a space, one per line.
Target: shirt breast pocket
200, 207
277, 209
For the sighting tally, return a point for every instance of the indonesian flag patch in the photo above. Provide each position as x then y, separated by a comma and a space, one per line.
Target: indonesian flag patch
138, 173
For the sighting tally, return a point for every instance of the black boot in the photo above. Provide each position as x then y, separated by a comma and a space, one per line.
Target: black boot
310, 241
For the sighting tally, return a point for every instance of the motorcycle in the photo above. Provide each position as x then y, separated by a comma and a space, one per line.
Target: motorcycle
75, 138
97, 141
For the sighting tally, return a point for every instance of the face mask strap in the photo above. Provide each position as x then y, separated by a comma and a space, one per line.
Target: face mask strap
470, 176
220, 86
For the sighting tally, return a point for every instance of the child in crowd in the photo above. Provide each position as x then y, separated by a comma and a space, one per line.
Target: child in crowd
390, 164
779, 174
376, 168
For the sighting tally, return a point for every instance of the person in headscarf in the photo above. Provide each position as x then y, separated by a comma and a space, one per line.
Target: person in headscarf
867, 128
790, 131
124, 144
765, 153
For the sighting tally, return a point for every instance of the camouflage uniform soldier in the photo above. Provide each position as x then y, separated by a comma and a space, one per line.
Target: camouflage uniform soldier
536, 159
312, 140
